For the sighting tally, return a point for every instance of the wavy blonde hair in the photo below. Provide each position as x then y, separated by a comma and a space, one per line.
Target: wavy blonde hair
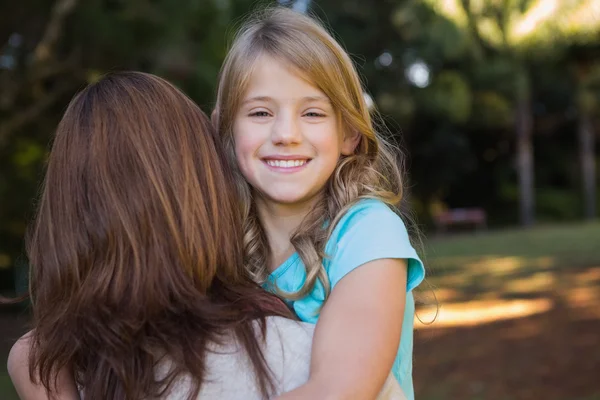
373, 171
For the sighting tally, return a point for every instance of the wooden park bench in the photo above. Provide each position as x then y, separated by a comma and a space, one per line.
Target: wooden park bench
475, 217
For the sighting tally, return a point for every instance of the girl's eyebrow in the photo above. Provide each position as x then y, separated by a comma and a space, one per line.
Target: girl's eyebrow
309, 99
306, 99
257, 98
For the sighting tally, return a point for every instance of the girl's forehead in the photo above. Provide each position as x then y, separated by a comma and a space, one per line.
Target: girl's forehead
273, 75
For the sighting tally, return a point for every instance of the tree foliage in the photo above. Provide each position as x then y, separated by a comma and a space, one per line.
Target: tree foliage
452, 78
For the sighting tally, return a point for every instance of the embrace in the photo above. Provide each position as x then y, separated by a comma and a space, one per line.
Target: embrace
255, 254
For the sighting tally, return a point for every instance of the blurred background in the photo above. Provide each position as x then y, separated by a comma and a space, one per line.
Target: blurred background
496, 103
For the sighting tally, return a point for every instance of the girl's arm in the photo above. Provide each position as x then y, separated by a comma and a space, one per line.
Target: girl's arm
357, 334
18, 369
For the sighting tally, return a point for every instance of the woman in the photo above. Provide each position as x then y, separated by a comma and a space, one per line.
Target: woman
137, 280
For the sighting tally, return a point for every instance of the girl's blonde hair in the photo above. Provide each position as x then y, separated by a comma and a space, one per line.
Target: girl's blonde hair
373, 171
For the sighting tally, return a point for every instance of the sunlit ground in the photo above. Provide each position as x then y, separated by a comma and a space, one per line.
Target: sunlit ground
518, 316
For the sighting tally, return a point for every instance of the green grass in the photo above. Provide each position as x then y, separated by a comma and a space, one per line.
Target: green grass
545, 262
509, 263
577, 244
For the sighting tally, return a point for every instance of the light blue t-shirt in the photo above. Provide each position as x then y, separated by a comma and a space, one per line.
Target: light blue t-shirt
369, 231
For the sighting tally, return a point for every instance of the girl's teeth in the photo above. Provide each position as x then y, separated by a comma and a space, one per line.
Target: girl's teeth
286, 163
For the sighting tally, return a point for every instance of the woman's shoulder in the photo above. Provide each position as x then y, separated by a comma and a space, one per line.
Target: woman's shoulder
288, 327
286, 349
287, 340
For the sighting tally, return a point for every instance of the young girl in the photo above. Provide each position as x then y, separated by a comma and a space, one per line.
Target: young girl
319, 185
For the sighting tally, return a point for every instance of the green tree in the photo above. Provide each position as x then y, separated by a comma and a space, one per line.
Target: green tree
588, 100
524, 32
49, 50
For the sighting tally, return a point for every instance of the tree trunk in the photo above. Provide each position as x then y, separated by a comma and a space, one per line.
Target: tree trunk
588, 164
524, 127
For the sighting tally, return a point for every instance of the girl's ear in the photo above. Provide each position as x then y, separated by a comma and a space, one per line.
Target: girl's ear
350, 142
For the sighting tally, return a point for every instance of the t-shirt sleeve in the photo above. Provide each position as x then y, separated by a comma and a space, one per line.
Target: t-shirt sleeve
372, 233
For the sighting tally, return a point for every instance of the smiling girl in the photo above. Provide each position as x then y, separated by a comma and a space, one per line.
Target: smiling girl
320, 190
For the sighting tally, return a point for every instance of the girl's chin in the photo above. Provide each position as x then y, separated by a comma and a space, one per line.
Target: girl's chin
287, 200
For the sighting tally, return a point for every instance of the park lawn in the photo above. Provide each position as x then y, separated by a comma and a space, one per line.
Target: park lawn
573, 244
512, 263
518, 315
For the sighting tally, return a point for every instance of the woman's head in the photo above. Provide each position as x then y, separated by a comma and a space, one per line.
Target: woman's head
294, 50
135, 189
135, 249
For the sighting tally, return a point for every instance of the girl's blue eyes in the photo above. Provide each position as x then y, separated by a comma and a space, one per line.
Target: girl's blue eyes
266, 114
259, 114
314, 114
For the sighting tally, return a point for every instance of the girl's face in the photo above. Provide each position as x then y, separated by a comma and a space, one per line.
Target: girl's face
288, 139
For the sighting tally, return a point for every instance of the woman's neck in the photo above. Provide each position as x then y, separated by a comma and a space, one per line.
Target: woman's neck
280, 221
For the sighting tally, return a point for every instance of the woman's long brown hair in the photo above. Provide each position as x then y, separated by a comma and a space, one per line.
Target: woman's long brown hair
136, 251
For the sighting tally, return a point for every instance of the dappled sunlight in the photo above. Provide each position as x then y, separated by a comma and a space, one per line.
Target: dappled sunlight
450, 8
542, 22
496, 275
479, 312
589, 276
542, 11
577, 288
518, 312
585, 18
538, 282
444, 295
581, 296
497, 266
455, 280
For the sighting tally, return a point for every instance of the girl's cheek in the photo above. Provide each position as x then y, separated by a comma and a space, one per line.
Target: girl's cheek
246, 139
245, 146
